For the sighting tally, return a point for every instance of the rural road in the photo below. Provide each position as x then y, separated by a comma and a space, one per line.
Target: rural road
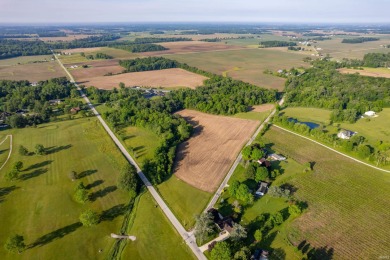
10, 149
350, 157
238, 159
189, 238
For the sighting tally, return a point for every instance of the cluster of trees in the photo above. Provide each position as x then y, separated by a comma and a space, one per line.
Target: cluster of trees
133, 47
372, 60
157, 40
29, 104
360, 40
241, 192
97, 56
292, 48
128, 180
150, 63
16, 48
89, 42
81, 194
356, 144
268, 44
52, 34
324, 87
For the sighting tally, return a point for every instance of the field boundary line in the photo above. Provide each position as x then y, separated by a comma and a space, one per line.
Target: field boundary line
218, 193
10, 150
334, 150
188, 238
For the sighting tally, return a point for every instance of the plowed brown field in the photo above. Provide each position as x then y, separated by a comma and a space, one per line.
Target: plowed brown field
205, 159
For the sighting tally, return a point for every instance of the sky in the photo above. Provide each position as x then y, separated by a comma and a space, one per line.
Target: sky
294, 11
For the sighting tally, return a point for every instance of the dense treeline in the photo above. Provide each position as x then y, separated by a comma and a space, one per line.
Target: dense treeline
52, 34
150, 63
97, 56
348, 95
16, 48
157, 40
26, 104
356, 145
360, 40
132, 47
11, 36
372, 60
92, 41
268, 44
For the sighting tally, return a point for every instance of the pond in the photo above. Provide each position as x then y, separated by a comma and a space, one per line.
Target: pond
311, 125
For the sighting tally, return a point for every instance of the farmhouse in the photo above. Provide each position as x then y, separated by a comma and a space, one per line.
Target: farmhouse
264, 162
277, 157
223, 223
74, 110
370, 113
263, 187
345, 134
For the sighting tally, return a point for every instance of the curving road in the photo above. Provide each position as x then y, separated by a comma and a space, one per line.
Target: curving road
10, 149
189, 238
218, 193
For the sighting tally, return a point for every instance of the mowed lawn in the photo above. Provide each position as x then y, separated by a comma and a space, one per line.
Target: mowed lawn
4, 149
347, 201
308, 114
156, 237
40, 204
247, 65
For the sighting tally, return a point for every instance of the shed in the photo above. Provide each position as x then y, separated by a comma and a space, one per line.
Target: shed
263, 187
277, 157
345, 134
370, 113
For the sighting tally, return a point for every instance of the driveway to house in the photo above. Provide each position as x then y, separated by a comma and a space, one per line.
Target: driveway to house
189, 238
238, 159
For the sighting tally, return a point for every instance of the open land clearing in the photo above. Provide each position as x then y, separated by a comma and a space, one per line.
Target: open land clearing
370, 72
250, 64
157, 78
190, 47
24, 60
156, 238
95, 69
204, 160
67, 38
347, 201
32, 71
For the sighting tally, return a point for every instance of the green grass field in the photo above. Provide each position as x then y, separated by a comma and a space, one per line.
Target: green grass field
74, 58
156, 238
347, 201
249, 64
40, 206
184, 200
252, 115
4, 149
308, 114
24, 60
116, 53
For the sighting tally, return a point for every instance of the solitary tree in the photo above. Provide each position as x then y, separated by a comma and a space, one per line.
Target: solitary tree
89, 218
12, 175
294, 210
23, 150
18, 166
221, 251
238, 232
258, 235
203, 226
39, 149
261, 174
15, 244
128, 179
81, 194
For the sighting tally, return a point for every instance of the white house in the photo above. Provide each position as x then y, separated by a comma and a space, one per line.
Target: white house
345, 134
370, 113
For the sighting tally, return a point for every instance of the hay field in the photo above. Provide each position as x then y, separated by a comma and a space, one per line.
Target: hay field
32, 72
24, 60
370, 72
347, 201
204, 160
95, 69
67, 38
246, 64
157, 78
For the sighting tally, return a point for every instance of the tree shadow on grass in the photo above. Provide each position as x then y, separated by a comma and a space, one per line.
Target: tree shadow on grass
59, 233
38, 165
85, 173
94, 184
101, 193
4, 191
3, 151
33, 174
56, 149
116, 211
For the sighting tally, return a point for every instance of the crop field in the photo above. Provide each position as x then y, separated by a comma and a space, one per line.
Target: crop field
370, 72
156, 238
24, 60
204, 160
40, 206
191, 47
339, 50
247, 65
157, 78
115, 53
259, 113
95, 69
67, 38
347, 201
32, 72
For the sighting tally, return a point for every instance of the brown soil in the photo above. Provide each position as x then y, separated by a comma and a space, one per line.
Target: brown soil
204, 160
32, 72
262, 108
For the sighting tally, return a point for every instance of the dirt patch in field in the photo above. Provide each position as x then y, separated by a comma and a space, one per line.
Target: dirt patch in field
32, 72
366, 73
156, 78
204, 160
191, 46
262, 108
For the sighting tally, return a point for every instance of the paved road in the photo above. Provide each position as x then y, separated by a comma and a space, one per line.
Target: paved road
189, 238
356, 160
238, 159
